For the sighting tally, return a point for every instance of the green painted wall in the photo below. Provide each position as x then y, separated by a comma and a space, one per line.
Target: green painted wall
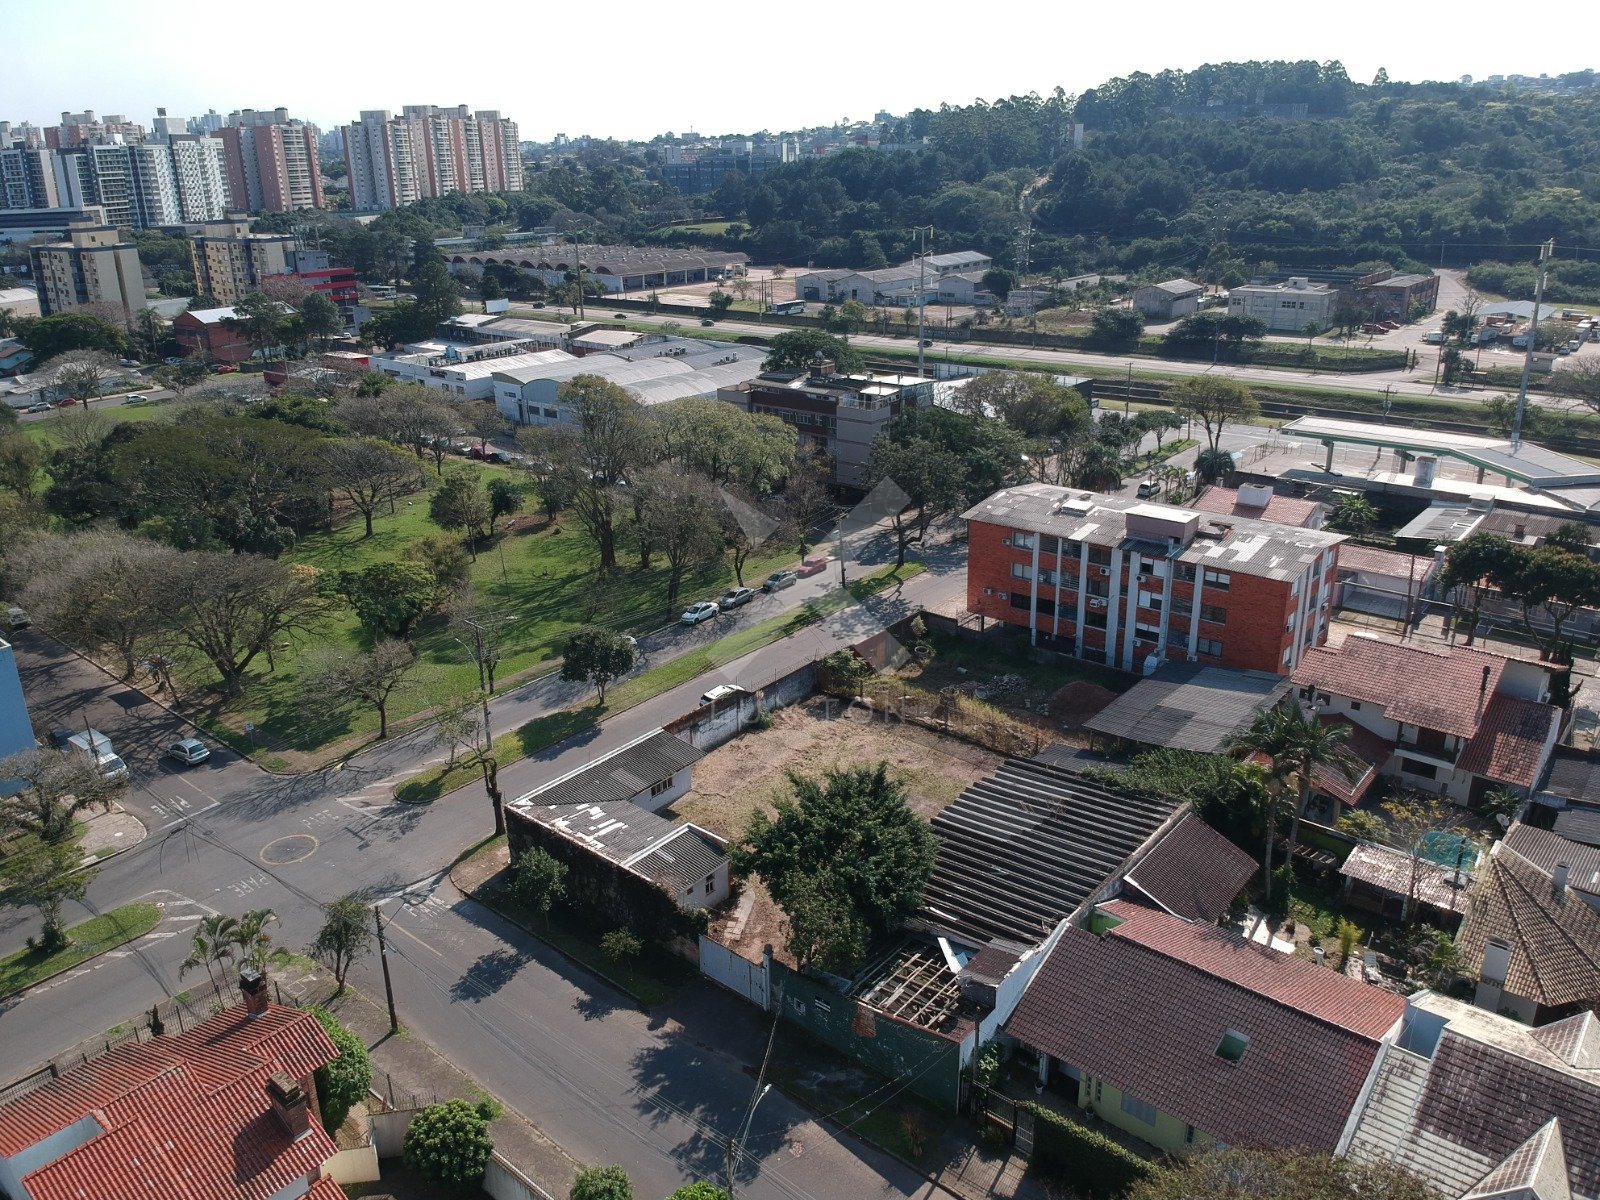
1169, 1133
894, 1050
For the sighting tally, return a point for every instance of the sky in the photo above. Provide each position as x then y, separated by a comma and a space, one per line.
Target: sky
632, 69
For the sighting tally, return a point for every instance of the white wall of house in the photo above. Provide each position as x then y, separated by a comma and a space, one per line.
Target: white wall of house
665, 791
44, 1152
1285, 308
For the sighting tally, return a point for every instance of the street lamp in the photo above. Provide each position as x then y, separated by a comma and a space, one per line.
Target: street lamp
736, 1143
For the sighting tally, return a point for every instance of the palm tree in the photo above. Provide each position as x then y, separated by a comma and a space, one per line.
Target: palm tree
252, 939
1269, 735
213, 943
1296, 743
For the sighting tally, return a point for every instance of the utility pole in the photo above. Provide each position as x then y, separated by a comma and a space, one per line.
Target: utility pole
388, 984
924, 232
1546, 252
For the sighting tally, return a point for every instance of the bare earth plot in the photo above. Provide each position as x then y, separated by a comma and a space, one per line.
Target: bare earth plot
733, 780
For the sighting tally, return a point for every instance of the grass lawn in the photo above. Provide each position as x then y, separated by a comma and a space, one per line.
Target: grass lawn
96, 936
651, 979
543, 577
714, 228
49, 430
14, 850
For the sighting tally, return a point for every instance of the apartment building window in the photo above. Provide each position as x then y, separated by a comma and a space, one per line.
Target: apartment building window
1048, 577
1183, 572
1021, 571
1099, 556
1210, 647
1021, 541
1218, 579
1178, 638
1214, 614
1138, 1109
1421, 770
1050, 546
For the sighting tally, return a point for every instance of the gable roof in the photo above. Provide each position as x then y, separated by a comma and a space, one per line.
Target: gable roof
1554, 940
620, 775
1535, 1170
1025, 848
1193, 872
1446, 690
1145, 1007
1189, 706
185, 1117
1545, 849
1511, 743
1176, 287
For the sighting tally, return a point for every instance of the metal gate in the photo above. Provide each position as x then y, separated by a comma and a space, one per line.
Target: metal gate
737, 974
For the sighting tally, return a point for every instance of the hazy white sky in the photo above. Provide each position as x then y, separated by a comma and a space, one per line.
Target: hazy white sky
634, 68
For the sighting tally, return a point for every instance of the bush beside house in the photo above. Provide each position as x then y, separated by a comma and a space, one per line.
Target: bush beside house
1089, 1162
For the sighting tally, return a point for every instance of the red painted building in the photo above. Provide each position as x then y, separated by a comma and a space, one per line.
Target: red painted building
1117, 581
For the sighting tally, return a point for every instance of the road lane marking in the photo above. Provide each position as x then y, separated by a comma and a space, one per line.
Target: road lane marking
398, 928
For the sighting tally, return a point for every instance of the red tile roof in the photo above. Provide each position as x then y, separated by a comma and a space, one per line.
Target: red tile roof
1286, 510
1513, 741
1445, 690
1371, 561
186, 1117
1145, 1008
1363, 753
1193, 872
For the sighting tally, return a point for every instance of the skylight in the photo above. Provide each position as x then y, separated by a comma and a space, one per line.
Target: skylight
1233, 1045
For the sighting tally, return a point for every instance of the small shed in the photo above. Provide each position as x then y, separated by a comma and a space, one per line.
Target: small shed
1169, 300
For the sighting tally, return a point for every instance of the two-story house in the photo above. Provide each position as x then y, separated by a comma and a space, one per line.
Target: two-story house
1455, 721
1131, 584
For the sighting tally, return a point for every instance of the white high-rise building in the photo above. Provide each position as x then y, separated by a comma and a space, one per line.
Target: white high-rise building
200, 169
428, 151
146, 184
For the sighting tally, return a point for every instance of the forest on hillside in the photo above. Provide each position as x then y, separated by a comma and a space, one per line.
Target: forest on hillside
1215, 173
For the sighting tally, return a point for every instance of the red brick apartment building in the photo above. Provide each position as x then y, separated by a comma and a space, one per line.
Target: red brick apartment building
1117, 581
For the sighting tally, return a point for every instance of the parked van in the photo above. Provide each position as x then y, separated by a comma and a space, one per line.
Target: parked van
100, 751
17, 617
1434, 337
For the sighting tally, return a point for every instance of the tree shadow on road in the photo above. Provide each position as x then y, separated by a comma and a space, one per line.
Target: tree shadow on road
593, 1006
489, 974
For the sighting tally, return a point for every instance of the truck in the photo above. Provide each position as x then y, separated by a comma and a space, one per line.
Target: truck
97, 747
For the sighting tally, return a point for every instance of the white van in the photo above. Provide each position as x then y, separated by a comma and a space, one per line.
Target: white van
100, 750
1434, 337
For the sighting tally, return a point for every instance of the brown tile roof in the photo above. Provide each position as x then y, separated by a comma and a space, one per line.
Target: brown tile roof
185, 1117
1555, 941
1512, 742
1193, 872
1545, 848
1446, 690
1139, 1013
1286, 510
1575, 1041
1535, 1170
1372, 561
1363, 754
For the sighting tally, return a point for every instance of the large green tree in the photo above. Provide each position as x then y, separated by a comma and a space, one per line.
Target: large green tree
597, 655
800, 349
1215, 402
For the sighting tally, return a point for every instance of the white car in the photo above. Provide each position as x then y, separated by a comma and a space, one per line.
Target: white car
696, 613
723, 691
189, 751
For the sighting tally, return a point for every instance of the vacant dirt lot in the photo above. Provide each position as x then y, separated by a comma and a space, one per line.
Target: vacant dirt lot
731, 781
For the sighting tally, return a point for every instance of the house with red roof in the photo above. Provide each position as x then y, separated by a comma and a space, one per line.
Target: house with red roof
1455, 721
1188, 1035
224, 1111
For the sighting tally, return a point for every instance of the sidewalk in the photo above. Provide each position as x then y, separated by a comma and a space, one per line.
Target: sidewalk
416, 1067
108, 833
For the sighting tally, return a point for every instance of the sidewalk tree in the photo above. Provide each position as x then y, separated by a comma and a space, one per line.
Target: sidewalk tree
1552, 581
621, 946
369, 475
332, 677
678, 515
597, 655
601, 1183
1579, 380
449, 1145
727, 445
538, 880
924, 480
1467, 577
47, 878
346, 936
344, 1082
55, 788
485, 424
81, 375
699, 1191
1215, 402
800, 349
232, 608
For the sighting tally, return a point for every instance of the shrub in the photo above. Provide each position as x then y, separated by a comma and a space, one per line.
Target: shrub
699, 1191
1096, 1166
620, 946
343, 1083
449, 1145
989, 1065
1349, 934
602, 1183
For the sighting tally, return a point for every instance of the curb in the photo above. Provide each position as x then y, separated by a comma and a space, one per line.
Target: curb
473, 894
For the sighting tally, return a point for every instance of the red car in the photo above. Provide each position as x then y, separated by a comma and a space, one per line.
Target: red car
225, 369
811, 566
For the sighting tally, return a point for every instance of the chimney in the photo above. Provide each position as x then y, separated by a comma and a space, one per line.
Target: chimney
1316, 956
1484, 685
1519, 531
289, 1105
253, 987
1560, 880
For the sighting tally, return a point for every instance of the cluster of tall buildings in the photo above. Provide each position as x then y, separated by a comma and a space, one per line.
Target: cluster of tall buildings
188, 171
428, 151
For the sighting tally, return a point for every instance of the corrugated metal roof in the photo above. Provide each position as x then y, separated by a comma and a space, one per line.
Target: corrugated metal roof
620, 775
1188, 706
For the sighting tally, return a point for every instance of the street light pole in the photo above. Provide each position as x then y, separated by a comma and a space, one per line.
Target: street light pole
388, 984
923, 232
1546, 252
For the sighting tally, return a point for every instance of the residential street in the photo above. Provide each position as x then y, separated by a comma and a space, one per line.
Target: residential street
599, 1077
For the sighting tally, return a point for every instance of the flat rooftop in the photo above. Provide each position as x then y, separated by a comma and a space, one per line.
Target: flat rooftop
1187, 706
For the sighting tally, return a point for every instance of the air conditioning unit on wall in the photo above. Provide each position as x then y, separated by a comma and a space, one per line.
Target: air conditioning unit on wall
1103, 572
1097, 602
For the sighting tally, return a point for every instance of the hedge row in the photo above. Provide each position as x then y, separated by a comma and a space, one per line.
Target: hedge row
1089, 1162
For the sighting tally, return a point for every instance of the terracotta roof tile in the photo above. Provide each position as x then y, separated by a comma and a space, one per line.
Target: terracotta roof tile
186, 1117
1512, 741
1140, 1014
1193, 872
1286, 510
1363, 754
1446, 690
1372, 561
1555, 941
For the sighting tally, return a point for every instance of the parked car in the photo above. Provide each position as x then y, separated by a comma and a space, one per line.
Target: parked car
97, 748
707, 321
779, 580
734, 597
188, 751
67, 403
173, 362
1434, 337
127, 362
1148, 488
225, 369
812, 566
17, 617
42, 406
696, 613
722, 691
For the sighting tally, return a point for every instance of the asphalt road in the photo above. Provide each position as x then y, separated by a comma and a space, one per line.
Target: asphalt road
657, 1093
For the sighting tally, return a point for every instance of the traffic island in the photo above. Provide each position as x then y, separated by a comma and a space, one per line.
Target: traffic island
29, 968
